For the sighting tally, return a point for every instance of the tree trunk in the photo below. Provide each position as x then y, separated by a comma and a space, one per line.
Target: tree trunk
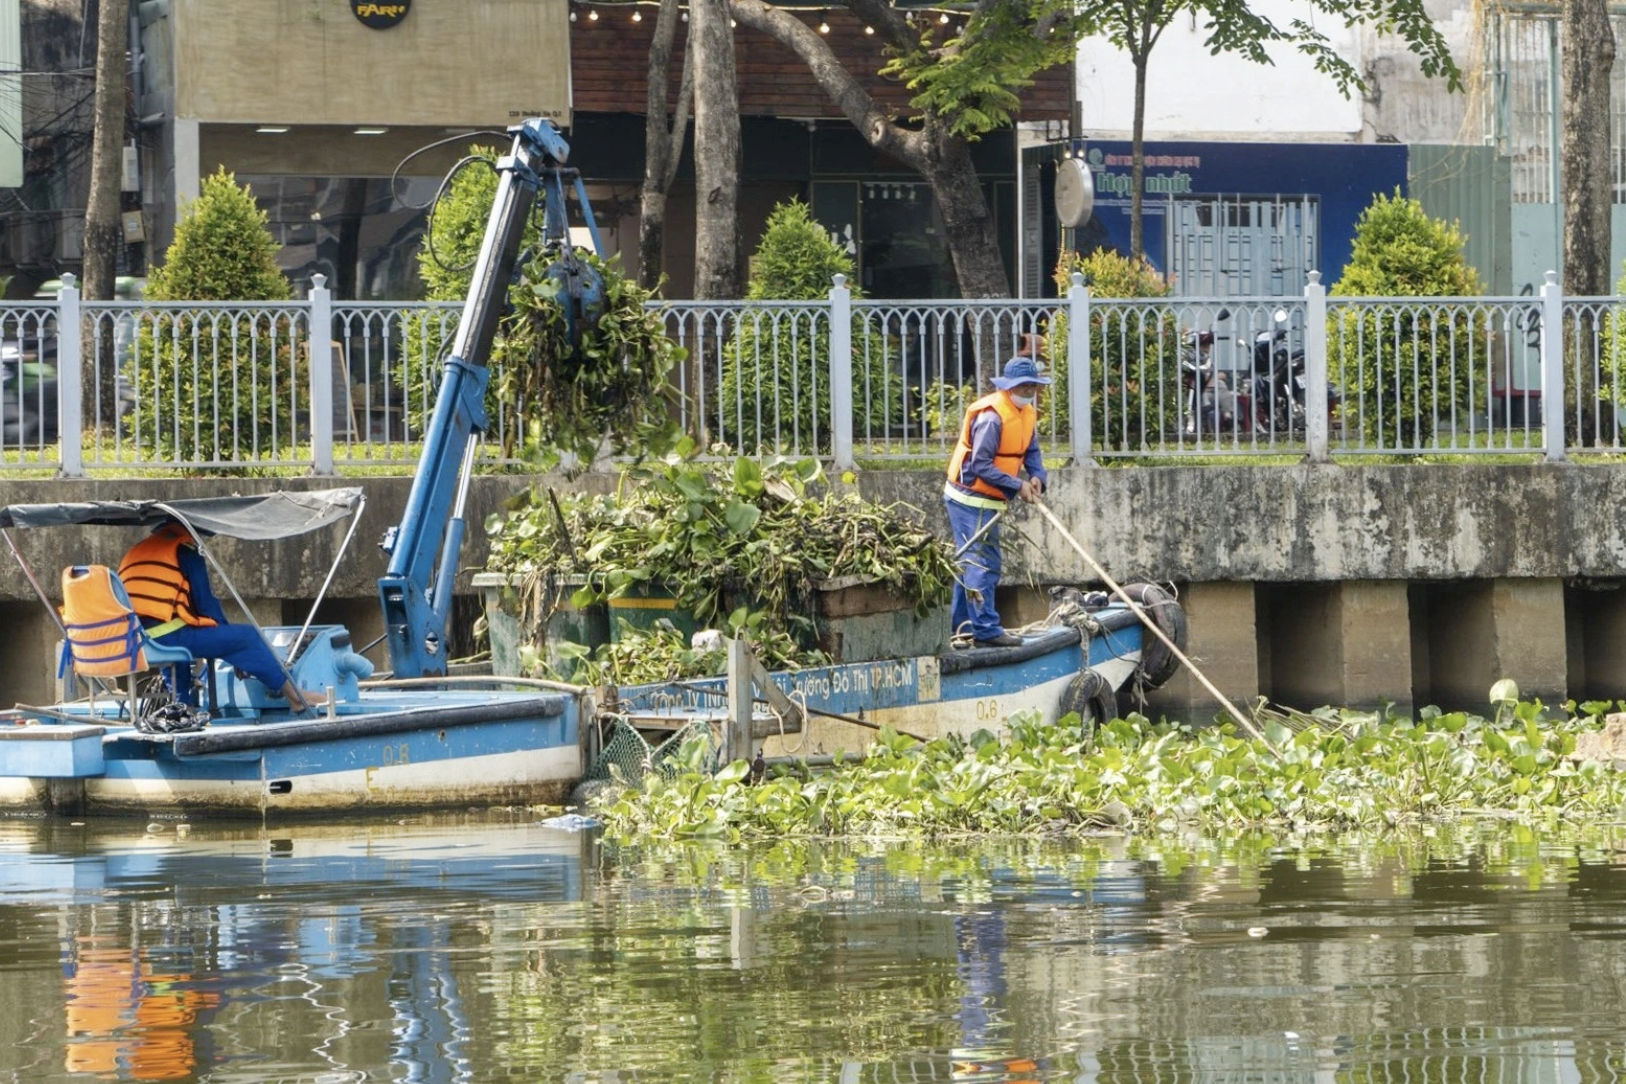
943, 161
1588, 54
1587, 48
967, 226
103, 231
1137, 168
716, 153
663, 147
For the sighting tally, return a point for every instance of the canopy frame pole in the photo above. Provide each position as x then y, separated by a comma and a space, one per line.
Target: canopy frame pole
333, 569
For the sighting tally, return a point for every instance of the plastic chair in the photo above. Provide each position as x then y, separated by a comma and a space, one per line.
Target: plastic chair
106, 638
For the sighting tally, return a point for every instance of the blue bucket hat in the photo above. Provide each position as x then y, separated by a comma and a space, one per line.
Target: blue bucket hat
1020, 371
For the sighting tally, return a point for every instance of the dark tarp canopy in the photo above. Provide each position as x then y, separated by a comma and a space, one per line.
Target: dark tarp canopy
258, 517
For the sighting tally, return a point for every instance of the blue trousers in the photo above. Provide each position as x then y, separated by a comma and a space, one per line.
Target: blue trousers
241, 646
980, 565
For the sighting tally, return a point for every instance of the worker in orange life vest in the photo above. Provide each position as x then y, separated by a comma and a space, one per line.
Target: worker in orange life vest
169, 589
999, 440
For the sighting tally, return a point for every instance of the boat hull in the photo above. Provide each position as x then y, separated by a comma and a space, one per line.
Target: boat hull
424, 750
927, 697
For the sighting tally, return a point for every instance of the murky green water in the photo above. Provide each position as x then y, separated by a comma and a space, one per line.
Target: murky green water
496, 950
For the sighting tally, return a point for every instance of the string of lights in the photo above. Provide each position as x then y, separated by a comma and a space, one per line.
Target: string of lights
632, 11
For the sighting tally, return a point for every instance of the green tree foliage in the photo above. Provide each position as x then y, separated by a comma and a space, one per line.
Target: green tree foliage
194, 408
776, 369
1135, 374
614, 385
970, 81
1231, 26
1400, 358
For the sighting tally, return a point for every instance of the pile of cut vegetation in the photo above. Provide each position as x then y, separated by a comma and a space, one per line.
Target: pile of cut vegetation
743, 546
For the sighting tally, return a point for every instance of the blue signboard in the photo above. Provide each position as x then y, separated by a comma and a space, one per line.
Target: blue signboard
1240, 213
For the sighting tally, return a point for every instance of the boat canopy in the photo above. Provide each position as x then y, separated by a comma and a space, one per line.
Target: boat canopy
258, 517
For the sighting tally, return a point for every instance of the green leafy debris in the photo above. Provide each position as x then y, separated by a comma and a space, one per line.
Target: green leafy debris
1352, 771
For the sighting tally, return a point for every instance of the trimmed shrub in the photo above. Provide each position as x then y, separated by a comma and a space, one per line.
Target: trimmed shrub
1134, 352
217, 387
775, 375
1399, 358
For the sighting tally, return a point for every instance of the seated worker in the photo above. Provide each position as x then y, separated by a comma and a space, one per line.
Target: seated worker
168, 584
999, 439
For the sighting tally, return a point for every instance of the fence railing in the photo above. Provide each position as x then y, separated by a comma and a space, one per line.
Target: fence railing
322, 385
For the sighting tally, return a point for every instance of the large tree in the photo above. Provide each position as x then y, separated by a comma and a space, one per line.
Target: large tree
103, 229
716, 153
1588, 57
663, 145
965, 84
1233, 27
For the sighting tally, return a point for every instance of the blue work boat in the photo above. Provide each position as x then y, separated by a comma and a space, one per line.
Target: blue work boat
423, 741
1090, 654
228, 745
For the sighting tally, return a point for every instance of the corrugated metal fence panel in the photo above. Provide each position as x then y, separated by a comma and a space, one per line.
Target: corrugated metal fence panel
1473, 187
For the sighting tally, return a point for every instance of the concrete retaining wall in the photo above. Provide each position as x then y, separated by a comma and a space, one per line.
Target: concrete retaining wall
1309, 584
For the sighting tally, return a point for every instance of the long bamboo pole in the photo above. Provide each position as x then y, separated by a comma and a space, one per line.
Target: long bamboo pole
1244, 720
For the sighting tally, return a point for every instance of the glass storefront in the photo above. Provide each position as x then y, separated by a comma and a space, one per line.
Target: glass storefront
364, 237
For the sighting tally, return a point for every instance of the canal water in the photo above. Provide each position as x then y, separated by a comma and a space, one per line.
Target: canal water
489, 948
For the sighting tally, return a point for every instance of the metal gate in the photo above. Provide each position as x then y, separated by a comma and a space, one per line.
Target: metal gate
1242, 246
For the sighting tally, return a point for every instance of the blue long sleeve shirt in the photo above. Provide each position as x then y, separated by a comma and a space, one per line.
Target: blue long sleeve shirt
196, 571
986, 429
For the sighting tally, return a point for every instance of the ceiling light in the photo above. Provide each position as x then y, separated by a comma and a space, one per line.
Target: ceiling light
371, 131
271, 129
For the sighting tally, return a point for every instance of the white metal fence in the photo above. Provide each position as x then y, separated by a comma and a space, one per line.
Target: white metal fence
194, 386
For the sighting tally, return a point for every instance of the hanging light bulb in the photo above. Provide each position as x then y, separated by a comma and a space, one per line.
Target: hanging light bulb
943, 18
573, 16
870, 30
685, 14
592, 15
824, 25
637, 16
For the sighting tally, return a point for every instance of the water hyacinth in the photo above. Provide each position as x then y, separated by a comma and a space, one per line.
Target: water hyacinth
1346, 770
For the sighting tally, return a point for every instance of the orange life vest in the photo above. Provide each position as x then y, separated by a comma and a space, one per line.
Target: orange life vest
1017, 424
104, 636
151, 572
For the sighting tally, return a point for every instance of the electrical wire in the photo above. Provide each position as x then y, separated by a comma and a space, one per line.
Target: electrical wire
396, 172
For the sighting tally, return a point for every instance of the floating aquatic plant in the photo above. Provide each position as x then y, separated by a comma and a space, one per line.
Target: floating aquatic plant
1345, 770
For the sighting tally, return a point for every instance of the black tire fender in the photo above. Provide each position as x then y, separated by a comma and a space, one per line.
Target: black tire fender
1091, 697
1157, 663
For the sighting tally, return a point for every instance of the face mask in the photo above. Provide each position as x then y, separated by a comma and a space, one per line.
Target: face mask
1024, 400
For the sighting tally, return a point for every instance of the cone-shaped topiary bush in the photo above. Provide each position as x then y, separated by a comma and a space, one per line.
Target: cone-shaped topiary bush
218, 387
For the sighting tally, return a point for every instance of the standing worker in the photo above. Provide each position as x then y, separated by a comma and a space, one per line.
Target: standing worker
999, 439
169, 589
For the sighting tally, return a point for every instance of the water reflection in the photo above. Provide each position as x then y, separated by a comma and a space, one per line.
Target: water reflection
485, 948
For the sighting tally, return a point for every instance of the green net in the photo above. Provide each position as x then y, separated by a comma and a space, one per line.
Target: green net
692, 747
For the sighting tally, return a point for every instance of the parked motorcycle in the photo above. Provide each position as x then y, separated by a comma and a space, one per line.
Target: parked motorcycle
1208, 403
1280, 382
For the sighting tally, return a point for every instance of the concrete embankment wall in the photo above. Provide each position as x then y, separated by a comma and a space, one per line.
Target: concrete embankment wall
1311, 585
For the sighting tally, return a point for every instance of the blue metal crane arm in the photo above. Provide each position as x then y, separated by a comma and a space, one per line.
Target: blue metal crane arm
416, 598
